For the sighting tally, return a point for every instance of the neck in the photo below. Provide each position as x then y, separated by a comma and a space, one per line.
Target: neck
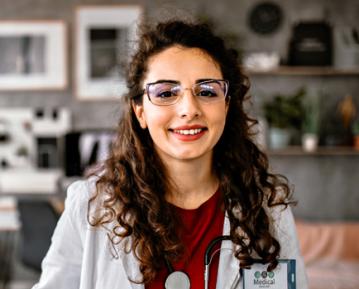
194, 182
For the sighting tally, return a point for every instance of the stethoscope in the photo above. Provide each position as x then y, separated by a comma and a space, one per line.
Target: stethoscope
180, 280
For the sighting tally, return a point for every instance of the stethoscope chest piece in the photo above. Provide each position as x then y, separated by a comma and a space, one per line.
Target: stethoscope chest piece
177, 280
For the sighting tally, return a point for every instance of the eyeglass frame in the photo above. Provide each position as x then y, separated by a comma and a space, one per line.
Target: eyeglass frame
226, 96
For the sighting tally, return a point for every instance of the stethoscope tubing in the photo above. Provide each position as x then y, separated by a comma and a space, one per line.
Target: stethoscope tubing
207, 262
207, 256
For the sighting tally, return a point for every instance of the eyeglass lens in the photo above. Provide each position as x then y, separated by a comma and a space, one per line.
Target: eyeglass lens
168, 93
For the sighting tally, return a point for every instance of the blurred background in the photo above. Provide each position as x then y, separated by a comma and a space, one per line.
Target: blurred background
61, 78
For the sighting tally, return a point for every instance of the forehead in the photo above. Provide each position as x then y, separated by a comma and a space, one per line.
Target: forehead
182, 64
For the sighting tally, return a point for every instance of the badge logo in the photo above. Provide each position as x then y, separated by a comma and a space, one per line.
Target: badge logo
263, 279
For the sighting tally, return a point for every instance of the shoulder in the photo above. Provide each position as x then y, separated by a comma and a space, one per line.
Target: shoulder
80, 192
94, 205
78, 195
283, 229
281, 219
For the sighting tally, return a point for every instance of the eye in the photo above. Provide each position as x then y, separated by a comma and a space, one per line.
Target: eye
164, 94
164, 90
207, 90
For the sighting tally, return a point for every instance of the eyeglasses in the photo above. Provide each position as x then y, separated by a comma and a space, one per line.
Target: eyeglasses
165, 92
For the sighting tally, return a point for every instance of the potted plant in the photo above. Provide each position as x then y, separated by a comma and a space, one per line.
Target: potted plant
310, 124
284, 115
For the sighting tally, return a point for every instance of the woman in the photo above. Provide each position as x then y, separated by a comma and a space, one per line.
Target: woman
183, 170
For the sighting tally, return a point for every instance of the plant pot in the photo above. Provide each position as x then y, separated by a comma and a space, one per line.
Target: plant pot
279, 138
309, 142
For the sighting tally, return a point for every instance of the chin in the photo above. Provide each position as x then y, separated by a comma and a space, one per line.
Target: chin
188, 156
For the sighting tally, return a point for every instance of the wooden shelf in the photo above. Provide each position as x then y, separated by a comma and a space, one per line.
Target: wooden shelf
305, 71
321, 151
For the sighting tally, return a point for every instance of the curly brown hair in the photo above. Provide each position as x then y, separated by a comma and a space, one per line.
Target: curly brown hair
134, 180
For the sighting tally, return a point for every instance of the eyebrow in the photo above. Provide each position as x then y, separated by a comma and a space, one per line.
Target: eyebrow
204, 79
166, 81
178, 82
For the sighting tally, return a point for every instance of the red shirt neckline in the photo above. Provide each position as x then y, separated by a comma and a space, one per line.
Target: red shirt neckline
198, 227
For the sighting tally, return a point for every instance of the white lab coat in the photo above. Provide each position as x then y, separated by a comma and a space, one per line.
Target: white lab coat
82, 257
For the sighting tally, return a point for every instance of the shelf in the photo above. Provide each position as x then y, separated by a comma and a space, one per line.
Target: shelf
29, 181
305, 71
321, 151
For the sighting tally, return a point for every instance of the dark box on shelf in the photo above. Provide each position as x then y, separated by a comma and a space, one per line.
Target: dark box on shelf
311, 44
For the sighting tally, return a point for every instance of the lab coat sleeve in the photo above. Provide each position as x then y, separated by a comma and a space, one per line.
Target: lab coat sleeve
61, 268
286, 233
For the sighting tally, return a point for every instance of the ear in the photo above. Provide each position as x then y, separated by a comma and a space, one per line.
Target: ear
140, 115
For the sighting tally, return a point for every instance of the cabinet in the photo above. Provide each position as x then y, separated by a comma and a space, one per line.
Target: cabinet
325, 181
334, 80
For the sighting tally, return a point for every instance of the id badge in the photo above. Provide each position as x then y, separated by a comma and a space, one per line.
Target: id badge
282, 277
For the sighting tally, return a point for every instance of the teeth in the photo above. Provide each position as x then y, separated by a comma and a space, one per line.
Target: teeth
188, 131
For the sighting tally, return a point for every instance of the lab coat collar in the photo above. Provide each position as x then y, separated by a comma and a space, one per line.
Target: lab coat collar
228, 269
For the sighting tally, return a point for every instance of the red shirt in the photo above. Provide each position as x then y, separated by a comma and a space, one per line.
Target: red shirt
199, 227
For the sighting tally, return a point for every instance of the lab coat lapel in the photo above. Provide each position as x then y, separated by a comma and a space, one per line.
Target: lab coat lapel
131, 266
228, 270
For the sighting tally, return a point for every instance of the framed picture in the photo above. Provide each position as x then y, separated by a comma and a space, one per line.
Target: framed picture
32, 55
105, 37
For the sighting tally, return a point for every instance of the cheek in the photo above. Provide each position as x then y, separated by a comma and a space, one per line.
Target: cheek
157, 123
221, 126
219, 116
219, 122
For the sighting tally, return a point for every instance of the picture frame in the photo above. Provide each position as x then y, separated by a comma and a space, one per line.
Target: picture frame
33, 55
104, 40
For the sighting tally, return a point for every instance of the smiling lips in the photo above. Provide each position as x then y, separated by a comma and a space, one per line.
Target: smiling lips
189, 133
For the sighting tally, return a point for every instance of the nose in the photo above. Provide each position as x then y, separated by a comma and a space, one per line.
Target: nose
188, 106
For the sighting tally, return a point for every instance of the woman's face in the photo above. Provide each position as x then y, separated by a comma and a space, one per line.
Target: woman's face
188, 129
